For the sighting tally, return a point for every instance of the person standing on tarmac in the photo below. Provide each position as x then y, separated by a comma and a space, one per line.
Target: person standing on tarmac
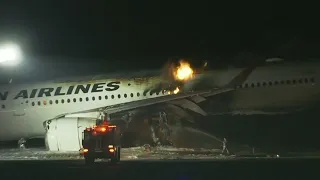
224, 146
21, 143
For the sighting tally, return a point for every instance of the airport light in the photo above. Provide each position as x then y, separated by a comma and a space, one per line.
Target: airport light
10, 54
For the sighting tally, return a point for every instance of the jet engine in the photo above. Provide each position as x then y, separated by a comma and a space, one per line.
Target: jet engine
65, 133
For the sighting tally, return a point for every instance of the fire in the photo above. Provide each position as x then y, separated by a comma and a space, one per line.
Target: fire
183, 72
176, 90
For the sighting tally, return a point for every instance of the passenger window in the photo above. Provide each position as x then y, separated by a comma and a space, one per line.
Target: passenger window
306, 80
300, 81
106, 96
125, 95
276, 82
27, 101
100, 98
50, 102
44, 102
39, 103
252, 85
93, 98
246, 85
119, 96
3, 106
80, 99
288, 82
258, 84
131, 94
294, 81
312, 80
270, 83
62, 101
282, 82
112, 96
74, 100
68, 101
87, 99
57, 101
138, 94
264, 84
32, 103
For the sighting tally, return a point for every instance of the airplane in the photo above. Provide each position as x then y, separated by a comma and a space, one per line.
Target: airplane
274, 88
60, 110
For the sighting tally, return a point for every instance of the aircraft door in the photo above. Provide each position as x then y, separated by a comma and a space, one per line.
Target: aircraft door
18, 118
19, 108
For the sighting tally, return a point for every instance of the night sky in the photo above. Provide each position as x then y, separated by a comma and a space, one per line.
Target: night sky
63, 38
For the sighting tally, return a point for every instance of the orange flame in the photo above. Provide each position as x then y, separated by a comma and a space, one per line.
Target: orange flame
183, 72
176, 90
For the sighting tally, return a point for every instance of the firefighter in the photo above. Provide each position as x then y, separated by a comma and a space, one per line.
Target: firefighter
21, 143
224, 146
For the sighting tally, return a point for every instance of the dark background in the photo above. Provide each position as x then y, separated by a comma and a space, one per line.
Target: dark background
87, 37
67, 38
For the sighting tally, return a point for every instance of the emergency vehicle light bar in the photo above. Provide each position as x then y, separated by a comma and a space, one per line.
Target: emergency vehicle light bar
102, 128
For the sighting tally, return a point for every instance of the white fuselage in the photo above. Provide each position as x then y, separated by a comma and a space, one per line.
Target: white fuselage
24, 116
23, 109
269, 89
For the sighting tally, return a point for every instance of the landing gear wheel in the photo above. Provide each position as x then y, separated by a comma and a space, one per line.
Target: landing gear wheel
115, 159
88, 160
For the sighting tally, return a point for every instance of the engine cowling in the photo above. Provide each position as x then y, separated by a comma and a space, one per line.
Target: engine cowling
65, 134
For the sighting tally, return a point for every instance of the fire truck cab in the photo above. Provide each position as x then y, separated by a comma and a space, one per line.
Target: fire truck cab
101, 142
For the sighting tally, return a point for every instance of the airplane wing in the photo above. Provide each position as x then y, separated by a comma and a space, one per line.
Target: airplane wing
174, 99
163, 99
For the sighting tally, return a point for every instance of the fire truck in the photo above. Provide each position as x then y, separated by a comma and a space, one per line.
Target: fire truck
101, 142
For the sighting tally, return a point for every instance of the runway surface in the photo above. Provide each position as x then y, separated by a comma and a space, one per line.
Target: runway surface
164, 169
161, 163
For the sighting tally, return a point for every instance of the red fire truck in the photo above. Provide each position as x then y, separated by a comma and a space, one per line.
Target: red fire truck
101, 142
